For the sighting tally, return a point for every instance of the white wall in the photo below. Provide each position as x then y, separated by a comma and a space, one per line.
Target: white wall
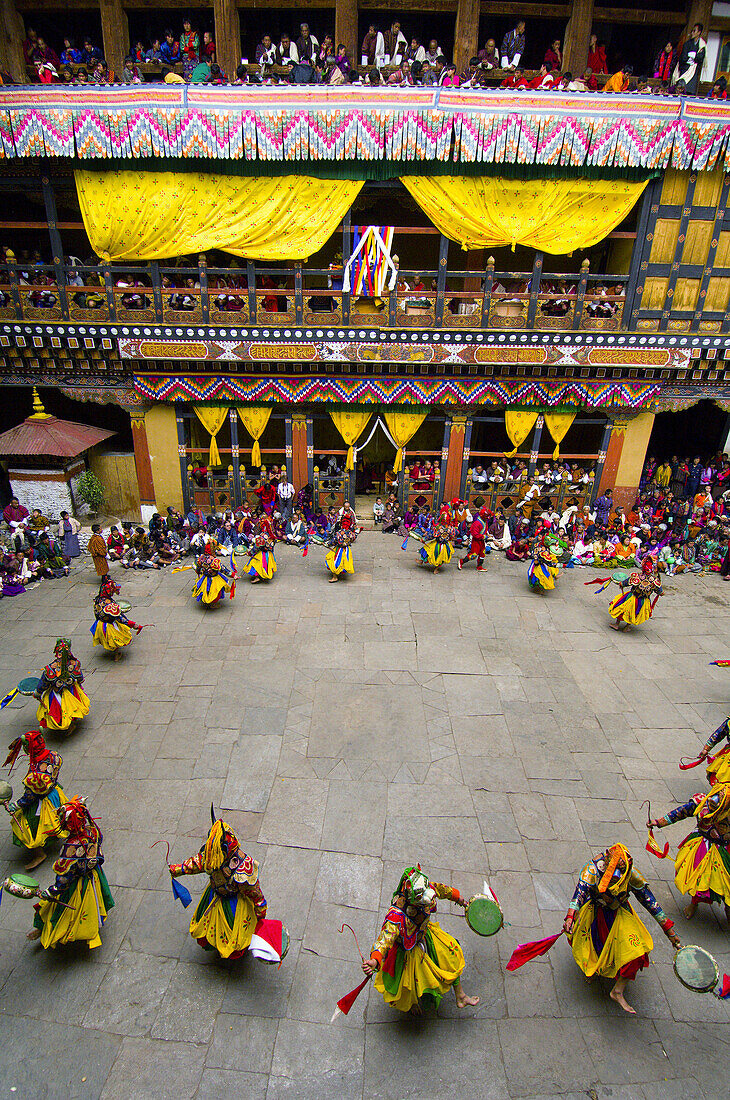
52, 497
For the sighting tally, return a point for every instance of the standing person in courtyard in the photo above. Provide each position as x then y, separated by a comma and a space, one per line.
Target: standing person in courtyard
261, 562
62, 702
437, 550
112, 629
414, 961
34, 817
478, 533
636, 606
606, 936
98, 550
340, 539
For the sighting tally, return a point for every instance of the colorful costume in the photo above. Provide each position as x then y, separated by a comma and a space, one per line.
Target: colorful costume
232, 905
438, 550
340, 559
543, 569
261, 561
62, 700
478, 533
80, 883
607, 937
718, 769
416, 961
35, 814
635, 606
112, 628
212, 583
702, 866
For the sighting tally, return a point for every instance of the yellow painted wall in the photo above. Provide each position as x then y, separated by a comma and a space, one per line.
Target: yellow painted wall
162, 443
633, 453
117, 473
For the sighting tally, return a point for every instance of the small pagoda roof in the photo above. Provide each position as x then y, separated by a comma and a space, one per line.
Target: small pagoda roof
42, 434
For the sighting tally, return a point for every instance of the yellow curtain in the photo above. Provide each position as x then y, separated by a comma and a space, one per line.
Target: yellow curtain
403, 426
350, 423
212, 420
159, 215
557, 423
556, 216
518, 423
254, 419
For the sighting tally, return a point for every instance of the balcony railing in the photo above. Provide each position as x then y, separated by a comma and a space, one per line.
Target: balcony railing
257, 295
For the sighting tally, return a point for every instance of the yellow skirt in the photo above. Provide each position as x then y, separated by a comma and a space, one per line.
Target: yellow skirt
539, 573
111, 635
58, 709
262, 564
209, 590
83, 921
628, 939
632, 609
701, 871
46, 826
226, 924
437, 553
422, 975
340, 560
719, 770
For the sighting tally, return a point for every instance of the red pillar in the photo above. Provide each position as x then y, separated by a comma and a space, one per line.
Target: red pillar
300, 465
455, 457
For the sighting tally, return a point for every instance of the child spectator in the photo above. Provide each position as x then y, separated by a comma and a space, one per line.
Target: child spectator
378, 509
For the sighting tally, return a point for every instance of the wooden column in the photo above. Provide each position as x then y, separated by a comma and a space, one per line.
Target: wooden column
451, 478
227, 36
299, 472
12, 34
114, 33
142, 461
466, 33
698, 11
346, 28
635, 431
610, 454
577, 37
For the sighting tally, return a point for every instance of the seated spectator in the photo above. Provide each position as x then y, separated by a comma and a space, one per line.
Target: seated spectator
170, 53
378, 509
596, 56
589, 79
90, 54
515, 79
266, 51
137, 51
342, 61
415, 52
154, 53
307, 44
29, 46
543, 80
286, 52
15, 514
433, 51
370, 43
620, 80
553, 57
208, 50
296, 530
217, 76
664, 63
130, 72
49, 555
428, 77
718, 89
489, 56
115, 544
513, 46
69, 54
450, 77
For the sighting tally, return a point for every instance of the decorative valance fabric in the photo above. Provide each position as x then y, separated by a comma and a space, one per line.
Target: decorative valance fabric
552, 215
132, 215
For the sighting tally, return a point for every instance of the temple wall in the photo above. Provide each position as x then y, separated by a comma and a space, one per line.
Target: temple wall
161, 428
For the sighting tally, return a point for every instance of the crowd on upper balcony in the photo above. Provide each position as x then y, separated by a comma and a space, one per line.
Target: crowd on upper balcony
388, 57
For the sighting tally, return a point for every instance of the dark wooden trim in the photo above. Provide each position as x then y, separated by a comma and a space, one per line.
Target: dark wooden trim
346, 251
235, 456
637, 270
534, 289
183, 459
49, 198
441, 280
710, 261
298, 294
681, 239
487, 296
156, 290
203, 280
251, 274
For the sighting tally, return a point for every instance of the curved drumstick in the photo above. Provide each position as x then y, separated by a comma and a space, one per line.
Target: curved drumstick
357, 945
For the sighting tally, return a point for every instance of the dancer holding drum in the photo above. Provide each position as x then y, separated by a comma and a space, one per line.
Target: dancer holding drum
340, 540
62, 700
607, 937
261, 562
437, 551
112, 629
230, 917
702, 864
213, 577
543, 569
34, 817
414, 961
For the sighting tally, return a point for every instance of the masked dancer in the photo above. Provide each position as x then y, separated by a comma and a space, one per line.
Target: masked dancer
702, 865
478, 534
81, 886
437, 550
214, 580
341, 539
607, 938
718, 768
261, 562
232, 905
414, 961
62, 700
636, 606
112, 629
543, 569
34, 817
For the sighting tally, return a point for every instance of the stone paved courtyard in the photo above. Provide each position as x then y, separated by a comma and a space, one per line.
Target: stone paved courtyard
346, 731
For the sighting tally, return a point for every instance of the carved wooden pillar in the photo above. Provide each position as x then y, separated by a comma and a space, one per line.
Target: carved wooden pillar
455, 438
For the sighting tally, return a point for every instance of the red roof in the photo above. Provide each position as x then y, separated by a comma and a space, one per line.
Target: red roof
50, 436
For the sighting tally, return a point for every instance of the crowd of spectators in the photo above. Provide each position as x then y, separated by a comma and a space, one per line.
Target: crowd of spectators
387, 57
34, 547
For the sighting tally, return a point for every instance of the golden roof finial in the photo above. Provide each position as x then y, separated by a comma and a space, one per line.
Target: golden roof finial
39, 413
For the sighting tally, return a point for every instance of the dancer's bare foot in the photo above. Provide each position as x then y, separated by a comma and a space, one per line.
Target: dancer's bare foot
617, 995
334, 578
117, 654
690, 910
35, 861
465, 1001
416, 1010
614, 625
34, 934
